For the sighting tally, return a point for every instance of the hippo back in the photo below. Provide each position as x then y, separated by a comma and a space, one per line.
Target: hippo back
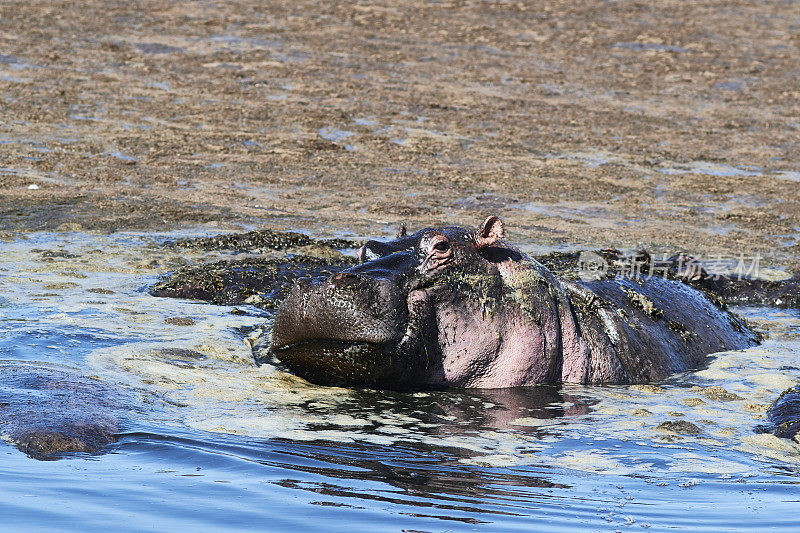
783, 416
644, 329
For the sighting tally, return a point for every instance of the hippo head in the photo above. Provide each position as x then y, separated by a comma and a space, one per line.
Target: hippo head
444, 306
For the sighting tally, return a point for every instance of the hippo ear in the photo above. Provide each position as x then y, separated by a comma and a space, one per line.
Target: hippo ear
489, 232
403, 231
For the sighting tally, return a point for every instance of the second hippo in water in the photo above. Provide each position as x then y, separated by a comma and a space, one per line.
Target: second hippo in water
453, 307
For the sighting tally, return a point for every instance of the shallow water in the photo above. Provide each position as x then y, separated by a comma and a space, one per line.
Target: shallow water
208, 441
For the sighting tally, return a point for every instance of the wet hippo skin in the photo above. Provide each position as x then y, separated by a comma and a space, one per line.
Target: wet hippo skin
464, 308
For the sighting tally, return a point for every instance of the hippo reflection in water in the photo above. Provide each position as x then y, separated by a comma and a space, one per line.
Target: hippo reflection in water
453, 307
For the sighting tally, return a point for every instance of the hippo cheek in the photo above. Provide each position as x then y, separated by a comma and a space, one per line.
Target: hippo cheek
450, 342
509, 342
469, 344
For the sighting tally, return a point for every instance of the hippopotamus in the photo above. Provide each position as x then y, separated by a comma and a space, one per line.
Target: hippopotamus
453, 307
49, 410
783, 415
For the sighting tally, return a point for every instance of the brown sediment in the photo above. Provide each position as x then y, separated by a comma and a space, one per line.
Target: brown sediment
681, 427
715, 392
671, 126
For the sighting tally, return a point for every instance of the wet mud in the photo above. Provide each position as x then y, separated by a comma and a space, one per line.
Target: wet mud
264, 240
256, 279
581, 124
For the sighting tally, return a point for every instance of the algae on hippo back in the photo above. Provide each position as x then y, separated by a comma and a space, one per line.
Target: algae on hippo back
643, 302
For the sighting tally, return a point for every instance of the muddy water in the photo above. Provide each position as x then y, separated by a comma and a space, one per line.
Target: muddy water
209, 441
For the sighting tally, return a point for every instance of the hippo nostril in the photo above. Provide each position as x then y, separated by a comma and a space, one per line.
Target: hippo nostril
373, 250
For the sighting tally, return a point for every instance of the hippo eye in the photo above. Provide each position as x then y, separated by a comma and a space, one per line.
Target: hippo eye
441, 246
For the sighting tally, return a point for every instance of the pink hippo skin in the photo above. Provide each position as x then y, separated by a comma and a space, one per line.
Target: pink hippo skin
452, 307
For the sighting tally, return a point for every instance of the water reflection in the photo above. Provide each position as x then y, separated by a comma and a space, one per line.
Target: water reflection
419, 476
420, 480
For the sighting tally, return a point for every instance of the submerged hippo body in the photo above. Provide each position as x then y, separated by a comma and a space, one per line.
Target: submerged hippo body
452, 307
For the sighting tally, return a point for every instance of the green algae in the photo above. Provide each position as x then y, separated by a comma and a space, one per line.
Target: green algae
643, 302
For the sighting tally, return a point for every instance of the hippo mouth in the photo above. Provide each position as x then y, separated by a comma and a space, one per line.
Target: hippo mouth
341, 362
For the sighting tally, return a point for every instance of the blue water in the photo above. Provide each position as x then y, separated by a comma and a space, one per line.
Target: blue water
209, 442
157, 482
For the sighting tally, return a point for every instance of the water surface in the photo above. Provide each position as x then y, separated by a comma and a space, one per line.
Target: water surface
210, 442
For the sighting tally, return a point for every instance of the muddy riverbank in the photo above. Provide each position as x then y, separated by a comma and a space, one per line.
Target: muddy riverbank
629, 124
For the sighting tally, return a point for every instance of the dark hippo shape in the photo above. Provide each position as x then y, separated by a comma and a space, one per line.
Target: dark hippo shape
749, 291
452, 307
48, 411
783, 415
236, 282
261, 240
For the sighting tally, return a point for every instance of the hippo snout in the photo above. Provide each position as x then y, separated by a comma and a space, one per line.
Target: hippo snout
346, 307
341, 330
